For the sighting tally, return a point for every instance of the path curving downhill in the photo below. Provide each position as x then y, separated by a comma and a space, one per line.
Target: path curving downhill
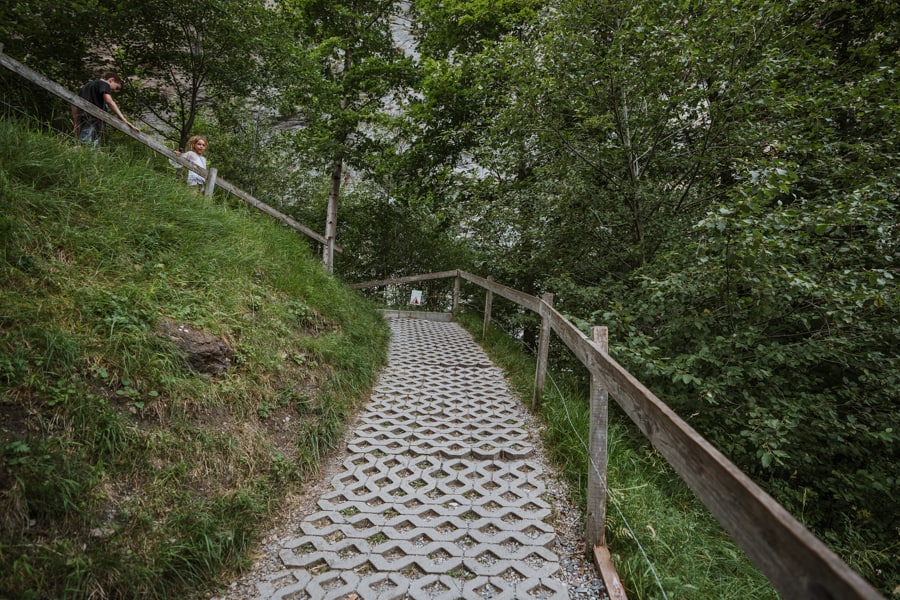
441, 494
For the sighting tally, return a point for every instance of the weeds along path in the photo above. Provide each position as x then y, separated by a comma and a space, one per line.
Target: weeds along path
441, 494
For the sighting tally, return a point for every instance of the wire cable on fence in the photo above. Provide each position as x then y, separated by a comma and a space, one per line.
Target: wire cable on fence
605, 490
593, 464
46, 124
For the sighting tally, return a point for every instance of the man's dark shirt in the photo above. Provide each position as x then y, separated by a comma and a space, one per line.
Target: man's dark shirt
93, 92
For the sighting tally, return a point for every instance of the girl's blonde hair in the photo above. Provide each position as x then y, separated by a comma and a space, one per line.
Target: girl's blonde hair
194, 139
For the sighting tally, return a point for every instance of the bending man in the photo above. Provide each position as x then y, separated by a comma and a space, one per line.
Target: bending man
99, 93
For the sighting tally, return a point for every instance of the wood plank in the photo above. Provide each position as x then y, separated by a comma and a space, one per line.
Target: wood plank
607, 569
540, 370
595, 528
528, 301
211, 182
400, 280
488, 300
574, 340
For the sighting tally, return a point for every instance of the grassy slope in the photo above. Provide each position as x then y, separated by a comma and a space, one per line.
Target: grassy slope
123, 473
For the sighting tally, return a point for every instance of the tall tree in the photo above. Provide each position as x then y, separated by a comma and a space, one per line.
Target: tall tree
344, 101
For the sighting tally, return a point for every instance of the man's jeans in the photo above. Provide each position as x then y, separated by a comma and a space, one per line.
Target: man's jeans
90, 133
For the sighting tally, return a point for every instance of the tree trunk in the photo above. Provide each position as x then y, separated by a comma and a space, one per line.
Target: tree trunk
334, 195
334, 190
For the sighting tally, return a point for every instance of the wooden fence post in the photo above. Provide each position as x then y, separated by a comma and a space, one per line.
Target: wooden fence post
596, 491
488, 300
540, 372
456, 294
211, 181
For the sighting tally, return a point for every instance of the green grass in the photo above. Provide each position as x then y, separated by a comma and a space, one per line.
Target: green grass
124, 473
648, 507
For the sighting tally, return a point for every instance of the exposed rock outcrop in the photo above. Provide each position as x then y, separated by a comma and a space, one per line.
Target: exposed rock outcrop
205, 352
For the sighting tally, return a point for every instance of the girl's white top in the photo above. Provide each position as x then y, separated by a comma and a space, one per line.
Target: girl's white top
200, 161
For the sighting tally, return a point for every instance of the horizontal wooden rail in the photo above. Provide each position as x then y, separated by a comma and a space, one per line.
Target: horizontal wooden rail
399, 280
797, 563
73, 98
521, 298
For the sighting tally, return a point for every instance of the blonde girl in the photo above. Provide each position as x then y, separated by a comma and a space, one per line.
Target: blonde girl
196, 149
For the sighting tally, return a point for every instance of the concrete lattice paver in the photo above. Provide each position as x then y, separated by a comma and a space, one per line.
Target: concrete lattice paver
440, 496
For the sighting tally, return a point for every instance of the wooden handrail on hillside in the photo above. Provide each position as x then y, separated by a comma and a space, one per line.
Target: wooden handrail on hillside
73, 98
797, 563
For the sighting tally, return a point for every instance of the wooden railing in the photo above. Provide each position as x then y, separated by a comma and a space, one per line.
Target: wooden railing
797, 563
211, 175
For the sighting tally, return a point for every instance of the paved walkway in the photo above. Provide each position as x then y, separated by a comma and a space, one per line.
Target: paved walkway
440, 496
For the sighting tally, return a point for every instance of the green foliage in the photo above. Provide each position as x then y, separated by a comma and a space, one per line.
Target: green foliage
125, 473
383, 237
42, 31
354, 64
443, 28
780, 344
49, 482
774, 326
